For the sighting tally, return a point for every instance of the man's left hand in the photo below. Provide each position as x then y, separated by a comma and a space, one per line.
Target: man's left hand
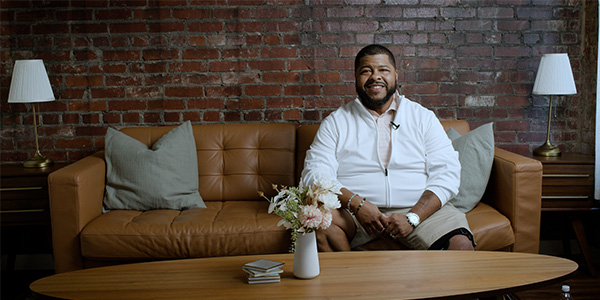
398, 226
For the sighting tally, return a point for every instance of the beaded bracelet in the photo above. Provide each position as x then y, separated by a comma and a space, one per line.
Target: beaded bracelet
360, 205
348, 205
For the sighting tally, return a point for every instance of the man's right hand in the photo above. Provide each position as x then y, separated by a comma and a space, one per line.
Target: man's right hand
371, 218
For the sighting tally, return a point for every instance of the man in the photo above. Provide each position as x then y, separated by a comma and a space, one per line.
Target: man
394, 163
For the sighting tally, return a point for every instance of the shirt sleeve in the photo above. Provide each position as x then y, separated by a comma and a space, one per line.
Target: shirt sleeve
443, 166
321, 161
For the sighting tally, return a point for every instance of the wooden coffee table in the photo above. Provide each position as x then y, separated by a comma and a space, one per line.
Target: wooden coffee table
344, 275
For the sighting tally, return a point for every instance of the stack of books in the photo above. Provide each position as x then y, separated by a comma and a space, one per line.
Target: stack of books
263, 271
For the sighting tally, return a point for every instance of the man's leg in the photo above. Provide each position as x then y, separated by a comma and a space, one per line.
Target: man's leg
339, 234
460, 242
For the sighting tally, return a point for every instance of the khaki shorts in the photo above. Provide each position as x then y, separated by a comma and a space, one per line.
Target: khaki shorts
443, 221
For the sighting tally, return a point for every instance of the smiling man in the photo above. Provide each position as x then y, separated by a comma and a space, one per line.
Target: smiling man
394, 164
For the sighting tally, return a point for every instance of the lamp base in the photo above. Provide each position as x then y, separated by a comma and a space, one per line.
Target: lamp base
546, 149
38, 161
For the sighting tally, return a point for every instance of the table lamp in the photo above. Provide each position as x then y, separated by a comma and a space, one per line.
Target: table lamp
554, 77
30, 84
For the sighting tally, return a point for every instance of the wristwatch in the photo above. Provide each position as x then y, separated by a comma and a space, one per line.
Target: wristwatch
413, 219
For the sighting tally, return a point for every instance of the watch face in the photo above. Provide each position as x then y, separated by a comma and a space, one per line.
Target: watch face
413, 219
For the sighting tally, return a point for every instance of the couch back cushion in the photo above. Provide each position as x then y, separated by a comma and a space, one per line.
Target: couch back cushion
236, 160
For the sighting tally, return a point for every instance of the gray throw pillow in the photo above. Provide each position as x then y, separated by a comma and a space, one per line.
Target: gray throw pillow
162, 177
476, 155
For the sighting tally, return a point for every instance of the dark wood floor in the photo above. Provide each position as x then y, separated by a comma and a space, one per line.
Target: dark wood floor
583, 286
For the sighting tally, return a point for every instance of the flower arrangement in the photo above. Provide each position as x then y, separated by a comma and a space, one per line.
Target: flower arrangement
305, 208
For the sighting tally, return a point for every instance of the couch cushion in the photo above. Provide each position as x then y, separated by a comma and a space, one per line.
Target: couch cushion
160, 177
491, 229
223, 228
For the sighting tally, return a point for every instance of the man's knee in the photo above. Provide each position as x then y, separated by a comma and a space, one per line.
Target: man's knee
460, 242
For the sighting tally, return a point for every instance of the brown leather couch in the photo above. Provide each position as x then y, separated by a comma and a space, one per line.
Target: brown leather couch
235, 161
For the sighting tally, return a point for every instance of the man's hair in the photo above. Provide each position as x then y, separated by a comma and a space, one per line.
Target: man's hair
373, 49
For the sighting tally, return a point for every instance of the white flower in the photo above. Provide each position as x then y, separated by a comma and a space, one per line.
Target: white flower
328, 185
326, 220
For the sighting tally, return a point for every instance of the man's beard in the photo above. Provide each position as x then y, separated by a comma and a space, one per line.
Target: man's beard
371, 103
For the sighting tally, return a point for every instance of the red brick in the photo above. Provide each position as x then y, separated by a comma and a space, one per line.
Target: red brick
324, 102
90, 131
187, 66
512, 125
302, 90
420, 64
306, 64
292, 115
339, 89
284, 102
82, 80
281, 77
163, 79
205, 27
359, 26
152, 13
212, 103
240, 26
131, 118
152, 117
279, 52
200, 54
223, 91
111, 118
188, 13
231, 116
126, 55
143, 92
114, 80
88, 28
166, 105
166, 27
90, 118
127, 27
187, 91
126, 105
262, 90
227, 66
172, 117
211, 116
419, 89
267, 65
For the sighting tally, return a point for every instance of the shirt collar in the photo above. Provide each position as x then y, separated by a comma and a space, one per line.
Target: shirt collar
392, 109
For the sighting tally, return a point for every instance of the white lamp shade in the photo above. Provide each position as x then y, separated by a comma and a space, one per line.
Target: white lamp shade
554, 76
30, 82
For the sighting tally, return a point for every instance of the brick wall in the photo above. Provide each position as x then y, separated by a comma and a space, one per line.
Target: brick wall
150, 62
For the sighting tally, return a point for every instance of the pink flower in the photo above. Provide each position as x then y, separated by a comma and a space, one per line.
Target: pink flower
310, 216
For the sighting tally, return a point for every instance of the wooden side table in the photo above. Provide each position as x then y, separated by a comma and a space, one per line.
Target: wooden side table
24, 205
568, 187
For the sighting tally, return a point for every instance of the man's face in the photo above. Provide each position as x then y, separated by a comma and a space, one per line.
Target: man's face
376, 80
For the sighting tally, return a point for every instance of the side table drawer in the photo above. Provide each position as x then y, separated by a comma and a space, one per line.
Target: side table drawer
24, 195
567, 185
569, 175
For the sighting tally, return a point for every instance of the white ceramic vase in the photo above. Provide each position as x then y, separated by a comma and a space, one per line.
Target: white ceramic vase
306, 257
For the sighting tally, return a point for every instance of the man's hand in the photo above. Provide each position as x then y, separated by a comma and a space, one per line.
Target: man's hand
398, 226
371, 218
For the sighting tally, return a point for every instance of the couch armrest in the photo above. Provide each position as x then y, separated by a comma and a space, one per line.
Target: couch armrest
76, 196
515, 190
